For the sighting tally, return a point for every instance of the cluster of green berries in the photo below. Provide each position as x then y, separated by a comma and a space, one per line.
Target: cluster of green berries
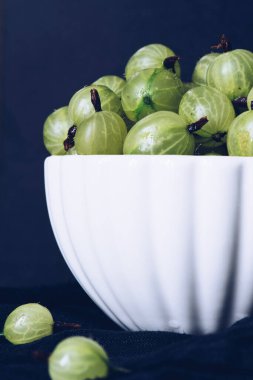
151, 111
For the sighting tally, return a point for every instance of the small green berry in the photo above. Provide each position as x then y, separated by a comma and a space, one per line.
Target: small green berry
200, 71
78, 358
55, 131
240, 135
28, 323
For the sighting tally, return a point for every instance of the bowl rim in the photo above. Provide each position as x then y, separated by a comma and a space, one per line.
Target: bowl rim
150, 158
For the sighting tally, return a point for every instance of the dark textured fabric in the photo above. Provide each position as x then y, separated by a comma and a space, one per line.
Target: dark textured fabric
147, 355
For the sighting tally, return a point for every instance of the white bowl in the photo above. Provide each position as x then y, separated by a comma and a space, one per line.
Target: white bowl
158, 242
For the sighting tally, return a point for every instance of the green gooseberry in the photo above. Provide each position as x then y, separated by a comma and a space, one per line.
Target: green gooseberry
55, 131
81, 108
153, 56
200, 71
149, 91
102, 133
27, 323
113, 82
240, 135
163, 132
78, 358
231, 71
205, 101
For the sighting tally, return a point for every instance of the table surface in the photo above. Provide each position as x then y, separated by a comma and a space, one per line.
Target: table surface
147, 355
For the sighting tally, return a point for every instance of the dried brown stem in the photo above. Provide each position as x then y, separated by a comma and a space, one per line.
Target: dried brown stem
194, 127
69, 142
95, 100
66, 325
224, 44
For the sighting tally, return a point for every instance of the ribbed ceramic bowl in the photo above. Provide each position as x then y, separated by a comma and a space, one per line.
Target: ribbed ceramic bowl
158, 242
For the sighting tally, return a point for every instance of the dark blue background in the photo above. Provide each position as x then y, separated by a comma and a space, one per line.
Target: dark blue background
51, 49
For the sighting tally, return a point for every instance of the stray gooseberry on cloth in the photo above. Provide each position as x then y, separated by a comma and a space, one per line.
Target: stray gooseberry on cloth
78, 358
30, 322
240, 135
153, 56
27, 323
151, 90
102, 133
163, 132
231, 71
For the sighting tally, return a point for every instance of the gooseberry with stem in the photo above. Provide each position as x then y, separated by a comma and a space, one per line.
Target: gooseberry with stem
151, 90
55, 131
103, 133
205, 101
231, 71
153, 56
162, 132
116, 84
81, 108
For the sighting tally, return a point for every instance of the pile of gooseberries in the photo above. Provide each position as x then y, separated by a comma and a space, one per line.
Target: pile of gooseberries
152, 111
